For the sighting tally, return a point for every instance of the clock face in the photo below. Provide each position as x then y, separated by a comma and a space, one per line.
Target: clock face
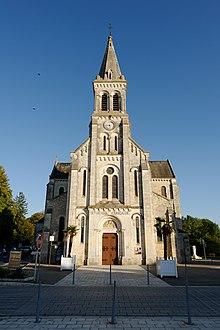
109, 125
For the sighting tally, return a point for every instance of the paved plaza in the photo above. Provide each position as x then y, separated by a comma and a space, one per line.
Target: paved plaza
85, 301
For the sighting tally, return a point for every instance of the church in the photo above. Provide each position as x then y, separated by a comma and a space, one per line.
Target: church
126, 207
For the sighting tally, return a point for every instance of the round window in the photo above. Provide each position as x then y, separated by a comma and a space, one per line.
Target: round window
110, 170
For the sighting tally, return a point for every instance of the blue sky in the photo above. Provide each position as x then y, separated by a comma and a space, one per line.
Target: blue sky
169, 51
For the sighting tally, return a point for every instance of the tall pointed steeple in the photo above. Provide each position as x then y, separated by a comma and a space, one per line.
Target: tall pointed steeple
110, 69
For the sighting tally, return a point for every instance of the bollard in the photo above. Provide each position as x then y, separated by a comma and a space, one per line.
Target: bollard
38, 303
113, 305
74, 269
148, 276
110, 274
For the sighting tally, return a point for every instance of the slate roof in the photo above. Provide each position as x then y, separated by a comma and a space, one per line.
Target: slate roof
60, 171
110, 62
161, 169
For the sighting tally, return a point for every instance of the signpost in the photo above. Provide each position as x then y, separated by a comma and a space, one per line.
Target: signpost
37, 257
51, 239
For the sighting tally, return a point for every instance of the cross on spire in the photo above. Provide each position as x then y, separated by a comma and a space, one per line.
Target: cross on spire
110, 28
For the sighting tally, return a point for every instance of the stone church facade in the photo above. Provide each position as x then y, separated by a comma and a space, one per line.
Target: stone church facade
119, 200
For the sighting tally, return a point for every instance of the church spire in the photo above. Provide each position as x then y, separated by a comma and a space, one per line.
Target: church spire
110, 69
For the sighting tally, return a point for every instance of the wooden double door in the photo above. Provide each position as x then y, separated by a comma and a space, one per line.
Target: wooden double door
110, 249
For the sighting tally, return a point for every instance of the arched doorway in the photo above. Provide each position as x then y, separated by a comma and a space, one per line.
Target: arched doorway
109, 243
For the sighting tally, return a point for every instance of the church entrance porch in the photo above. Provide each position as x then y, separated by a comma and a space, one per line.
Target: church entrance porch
109, 249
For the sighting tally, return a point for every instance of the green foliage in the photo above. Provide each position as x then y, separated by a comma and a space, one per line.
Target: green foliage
20, 206
203, 229
71, 231
14, 227
5, 191
36, 217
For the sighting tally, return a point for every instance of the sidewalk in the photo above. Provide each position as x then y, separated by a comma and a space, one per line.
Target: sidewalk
98, 323
89, 293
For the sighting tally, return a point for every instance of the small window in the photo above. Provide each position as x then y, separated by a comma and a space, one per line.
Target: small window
163, 191
110, 170
82, 228
114, 186
61, 190
84, 183
104, 142
136, 183
105, 187
137, 230
116, 143
104, 102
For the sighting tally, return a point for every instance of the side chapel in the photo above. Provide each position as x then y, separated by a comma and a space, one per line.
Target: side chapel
125, 206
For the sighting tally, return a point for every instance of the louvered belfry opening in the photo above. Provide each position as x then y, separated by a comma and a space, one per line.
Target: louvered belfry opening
115, 102
104, 102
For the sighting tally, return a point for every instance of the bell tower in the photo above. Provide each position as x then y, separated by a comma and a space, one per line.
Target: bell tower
109, 127
110, 85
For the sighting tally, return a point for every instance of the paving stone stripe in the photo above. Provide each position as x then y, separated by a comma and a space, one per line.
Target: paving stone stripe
133, 276
122, 323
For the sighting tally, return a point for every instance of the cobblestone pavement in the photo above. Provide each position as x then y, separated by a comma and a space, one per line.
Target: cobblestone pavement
88, 303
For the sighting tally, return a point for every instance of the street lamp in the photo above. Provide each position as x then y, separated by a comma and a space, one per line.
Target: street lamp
185, 240
202, 241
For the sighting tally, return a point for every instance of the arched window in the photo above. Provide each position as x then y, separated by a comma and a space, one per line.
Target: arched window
115, 102
116, 143
105, 102
104, 142
82, 228
114, 186
137, 230
136, 183
61, 229
163, 191
84, 183
61, 190
105, 187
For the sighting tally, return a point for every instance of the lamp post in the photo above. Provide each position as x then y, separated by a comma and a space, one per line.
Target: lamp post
202, 241
186, 284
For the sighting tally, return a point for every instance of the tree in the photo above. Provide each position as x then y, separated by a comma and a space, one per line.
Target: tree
36, 217
22, 230
5, 191
203, 229
70, 232
21, 205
